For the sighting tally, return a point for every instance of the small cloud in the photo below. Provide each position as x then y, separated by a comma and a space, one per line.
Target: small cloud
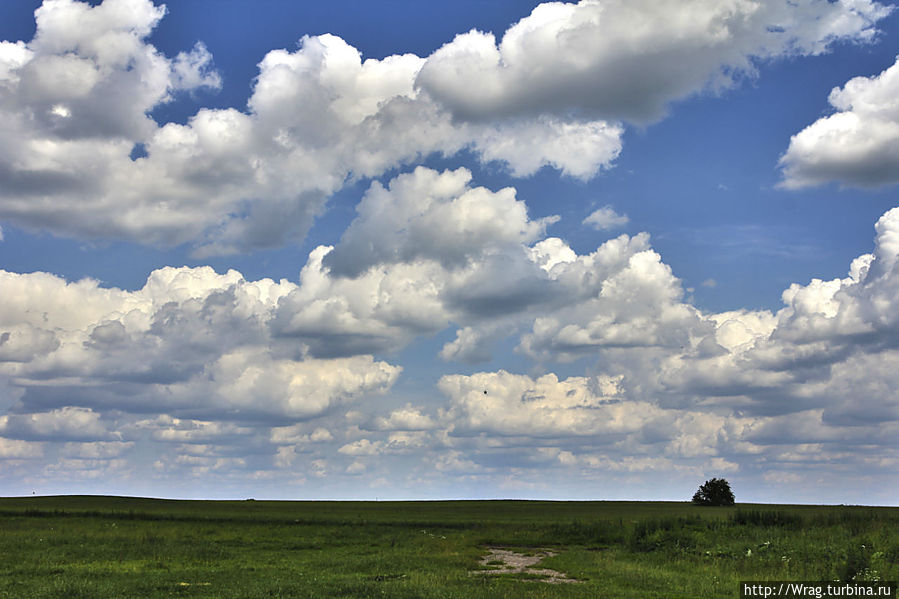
362, 447
781, 477
192, 70
710, 283
406, 419
318, 468
567, 458
61, 110
856, 145
355, 468
605, 219
321, 435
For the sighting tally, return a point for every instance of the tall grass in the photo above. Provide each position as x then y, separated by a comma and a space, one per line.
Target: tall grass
766, 518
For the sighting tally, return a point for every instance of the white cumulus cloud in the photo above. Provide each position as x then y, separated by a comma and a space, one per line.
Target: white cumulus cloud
75, 102
627, 59
857, 145
188, 338
605, 218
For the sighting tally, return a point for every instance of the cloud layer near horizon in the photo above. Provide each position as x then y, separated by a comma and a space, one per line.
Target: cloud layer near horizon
279, 379
82, 156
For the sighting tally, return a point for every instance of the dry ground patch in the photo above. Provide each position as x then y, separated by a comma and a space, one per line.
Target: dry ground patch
501, 560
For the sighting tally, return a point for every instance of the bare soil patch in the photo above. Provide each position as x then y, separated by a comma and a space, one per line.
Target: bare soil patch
501, 560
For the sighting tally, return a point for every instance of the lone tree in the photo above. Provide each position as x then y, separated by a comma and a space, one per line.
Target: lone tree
714, 492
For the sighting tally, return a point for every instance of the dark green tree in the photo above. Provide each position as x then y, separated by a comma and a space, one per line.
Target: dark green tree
714, 492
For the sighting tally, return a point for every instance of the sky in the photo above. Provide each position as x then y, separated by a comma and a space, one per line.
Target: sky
414, 250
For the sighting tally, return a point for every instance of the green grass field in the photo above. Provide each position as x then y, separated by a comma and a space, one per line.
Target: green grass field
96, 547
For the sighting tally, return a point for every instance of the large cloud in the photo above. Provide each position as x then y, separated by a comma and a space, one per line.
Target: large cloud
429, 250
74, 109
858, 145
424, 251
585, 421
434, 216
186, 369
622, 295
65, 424
189, 341
81, 156
627, 59
802, 351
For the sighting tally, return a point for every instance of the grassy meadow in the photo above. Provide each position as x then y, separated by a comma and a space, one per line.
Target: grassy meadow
95, 547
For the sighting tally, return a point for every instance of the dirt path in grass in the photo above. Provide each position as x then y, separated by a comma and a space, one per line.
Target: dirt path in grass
505, 561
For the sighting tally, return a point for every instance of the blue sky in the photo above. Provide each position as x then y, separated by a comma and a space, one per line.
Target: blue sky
399, 249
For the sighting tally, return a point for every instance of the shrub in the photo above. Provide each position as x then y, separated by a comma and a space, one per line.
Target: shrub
714, 492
